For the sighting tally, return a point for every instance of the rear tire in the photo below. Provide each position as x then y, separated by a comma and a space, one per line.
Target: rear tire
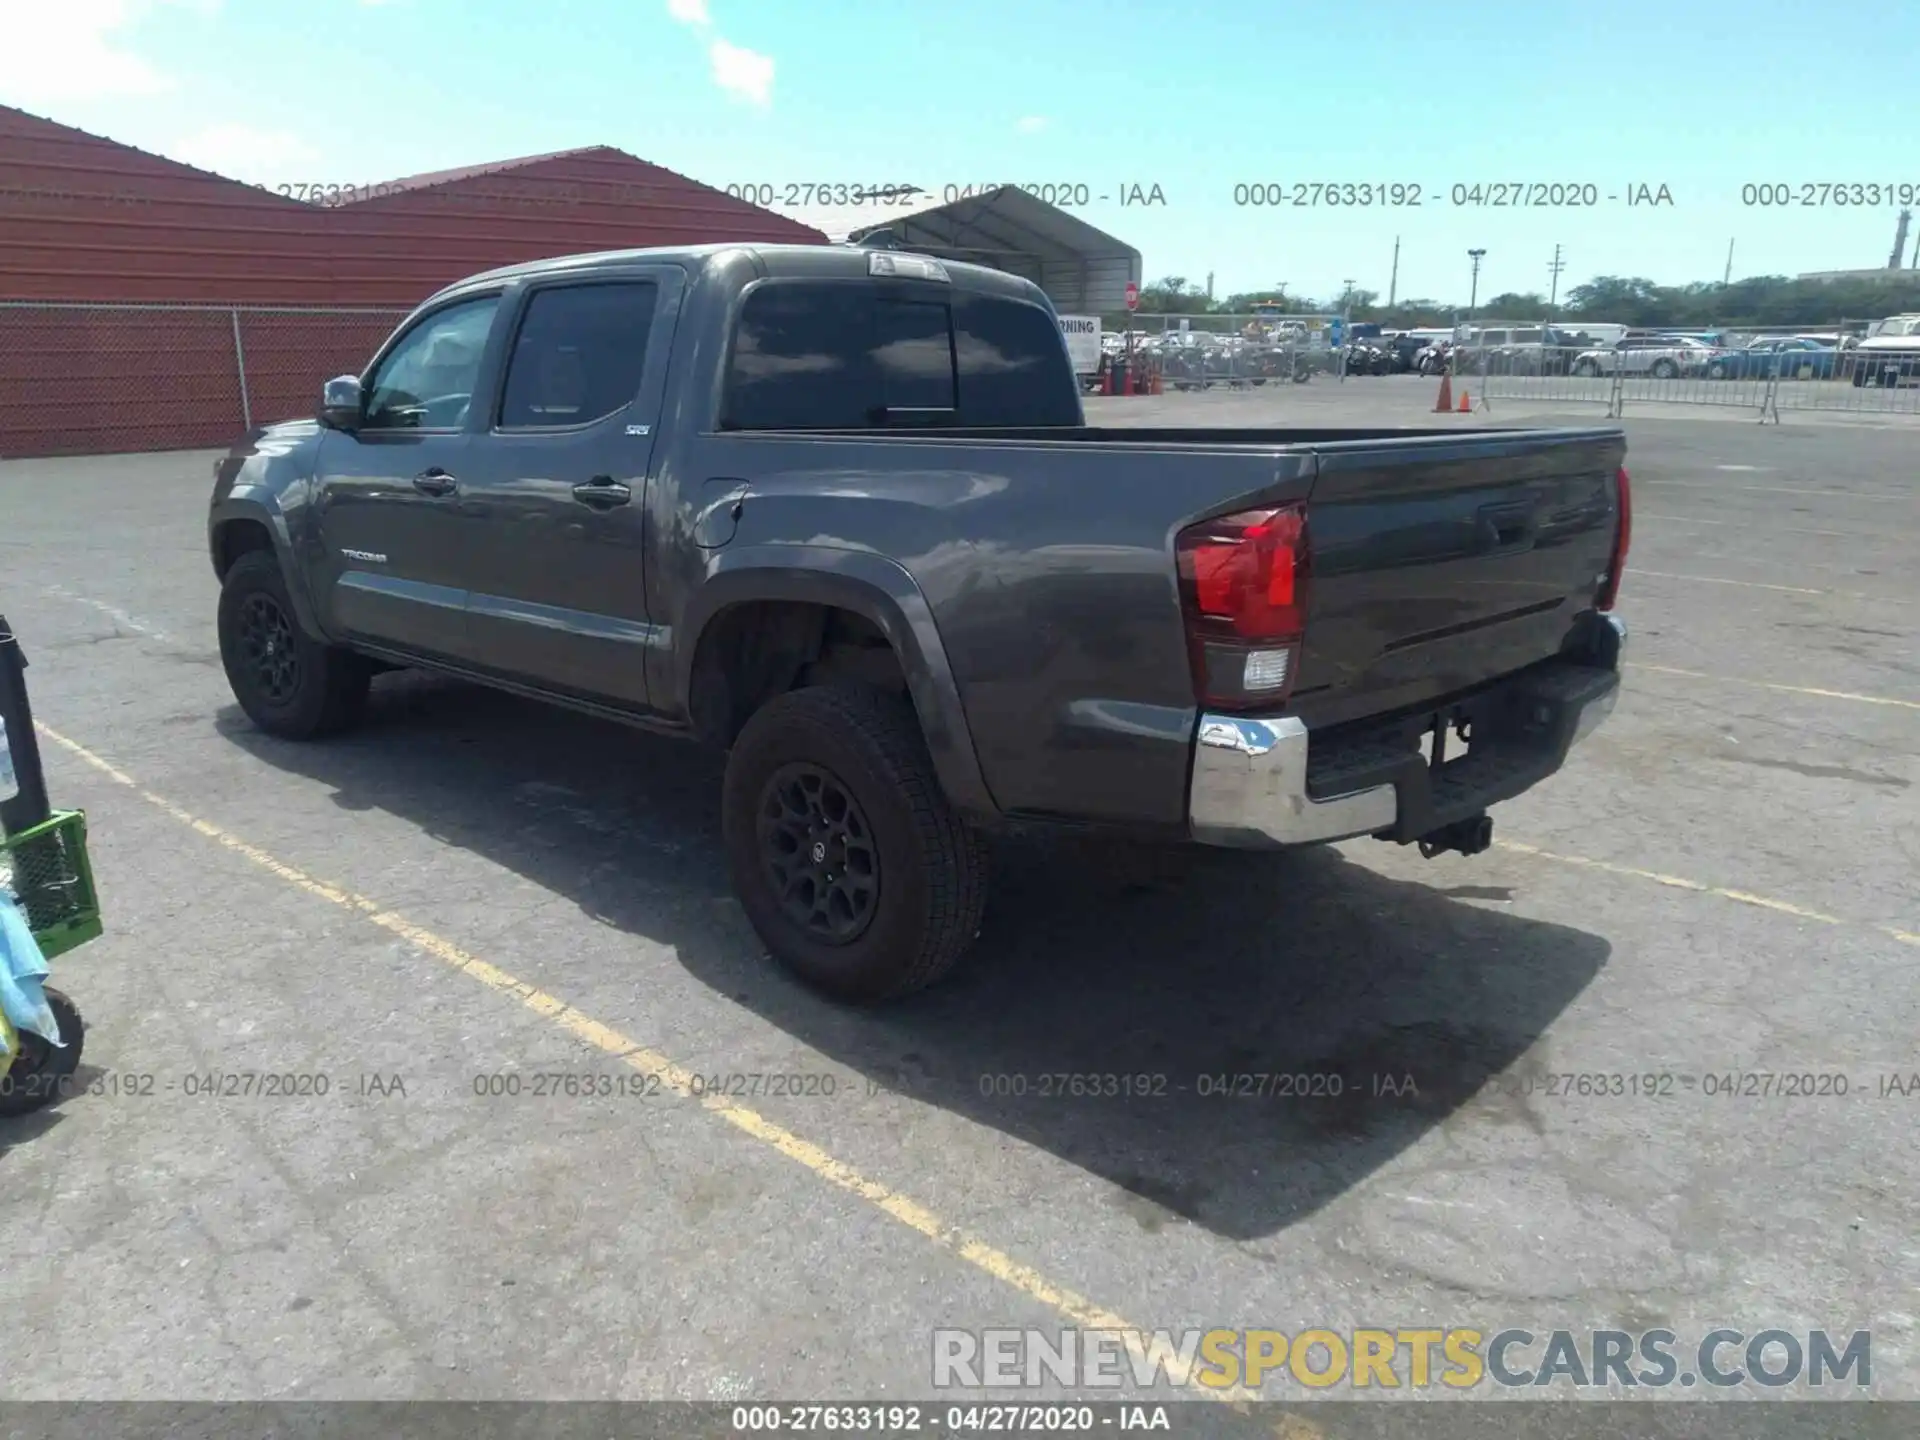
290, 684
840, 776
40, 1072
1664, 370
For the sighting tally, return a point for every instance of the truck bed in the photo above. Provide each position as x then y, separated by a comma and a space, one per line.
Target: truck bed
1440, 560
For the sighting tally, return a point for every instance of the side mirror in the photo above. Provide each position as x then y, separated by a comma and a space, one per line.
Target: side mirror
341, 403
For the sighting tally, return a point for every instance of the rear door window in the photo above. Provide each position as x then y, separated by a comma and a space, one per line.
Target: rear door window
578, 355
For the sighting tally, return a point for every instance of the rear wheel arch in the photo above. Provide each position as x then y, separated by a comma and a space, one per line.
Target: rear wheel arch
826, 626
753, 651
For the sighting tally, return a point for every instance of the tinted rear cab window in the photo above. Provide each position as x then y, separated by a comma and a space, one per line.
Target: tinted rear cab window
810, 355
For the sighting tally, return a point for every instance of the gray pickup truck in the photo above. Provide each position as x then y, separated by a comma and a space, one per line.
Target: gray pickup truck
839, 512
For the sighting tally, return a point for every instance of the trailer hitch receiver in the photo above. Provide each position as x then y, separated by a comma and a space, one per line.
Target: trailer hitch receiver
1469, 837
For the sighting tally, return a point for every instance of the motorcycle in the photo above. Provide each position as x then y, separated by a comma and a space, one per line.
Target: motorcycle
1435, 358
1365, 359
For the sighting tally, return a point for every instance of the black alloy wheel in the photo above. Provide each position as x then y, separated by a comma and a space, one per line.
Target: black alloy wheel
819, 853
268, 645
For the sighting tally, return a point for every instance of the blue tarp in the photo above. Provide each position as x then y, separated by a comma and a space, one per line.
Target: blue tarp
22, 970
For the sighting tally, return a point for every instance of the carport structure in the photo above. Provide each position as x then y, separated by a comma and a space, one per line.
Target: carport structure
1084, 270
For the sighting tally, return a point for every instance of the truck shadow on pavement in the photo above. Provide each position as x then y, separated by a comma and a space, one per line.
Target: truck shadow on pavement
1228, 1038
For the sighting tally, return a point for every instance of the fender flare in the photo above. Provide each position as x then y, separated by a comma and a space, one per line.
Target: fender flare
878, 590
242, 506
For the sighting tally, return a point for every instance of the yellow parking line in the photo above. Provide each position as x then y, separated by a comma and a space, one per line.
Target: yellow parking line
1717, 580
1074, 1307
1750, 525
1681, 882
1775, 685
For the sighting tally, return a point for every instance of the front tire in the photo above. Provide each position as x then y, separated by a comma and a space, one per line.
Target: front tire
290, 684
852, 867
40, 1071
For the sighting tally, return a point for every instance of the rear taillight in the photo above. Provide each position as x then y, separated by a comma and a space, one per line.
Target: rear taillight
1622, 537
1243, 588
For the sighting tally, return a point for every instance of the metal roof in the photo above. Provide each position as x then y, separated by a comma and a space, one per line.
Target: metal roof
84, 218
467, 172
1082, 269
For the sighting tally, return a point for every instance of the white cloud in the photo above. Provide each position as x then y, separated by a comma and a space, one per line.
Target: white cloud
736, 69
241, 152
742, 72
79, 49
1031, 124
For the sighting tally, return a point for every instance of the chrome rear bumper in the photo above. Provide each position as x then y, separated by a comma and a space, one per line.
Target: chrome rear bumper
1250, 785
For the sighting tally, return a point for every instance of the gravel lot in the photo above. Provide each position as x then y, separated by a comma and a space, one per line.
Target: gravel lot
1722, 881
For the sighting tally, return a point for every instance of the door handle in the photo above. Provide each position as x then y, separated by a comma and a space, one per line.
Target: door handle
602, 493
435, 482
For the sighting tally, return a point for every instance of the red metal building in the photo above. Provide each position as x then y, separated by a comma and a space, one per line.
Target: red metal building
87, 223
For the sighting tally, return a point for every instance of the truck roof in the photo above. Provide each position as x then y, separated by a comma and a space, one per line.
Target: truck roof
811, 261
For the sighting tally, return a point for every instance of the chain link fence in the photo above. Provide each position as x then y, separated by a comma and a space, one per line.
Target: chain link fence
1767, 374
81, 379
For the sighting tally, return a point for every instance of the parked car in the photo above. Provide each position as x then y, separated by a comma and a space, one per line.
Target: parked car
1661, 356
838, 513
1405, 349
1890, 352
1789, 358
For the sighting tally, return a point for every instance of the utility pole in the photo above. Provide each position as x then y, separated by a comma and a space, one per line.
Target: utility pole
1726, 277
1554, 267
1346, 297
1393, 284
1473, 299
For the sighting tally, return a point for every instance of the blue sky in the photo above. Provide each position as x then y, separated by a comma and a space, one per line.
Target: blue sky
1696, 95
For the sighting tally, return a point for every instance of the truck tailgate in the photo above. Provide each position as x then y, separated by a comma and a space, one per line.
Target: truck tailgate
1440, 563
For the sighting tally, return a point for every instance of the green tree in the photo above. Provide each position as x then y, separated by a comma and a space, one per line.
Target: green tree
1173, 295
1515, 305
1757, 300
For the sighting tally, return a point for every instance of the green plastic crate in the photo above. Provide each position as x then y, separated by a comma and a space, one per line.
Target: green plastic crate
46, 871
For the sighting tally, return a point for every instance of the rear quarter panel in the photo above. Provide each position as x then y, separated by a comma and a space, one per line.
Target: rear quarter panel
1048, 570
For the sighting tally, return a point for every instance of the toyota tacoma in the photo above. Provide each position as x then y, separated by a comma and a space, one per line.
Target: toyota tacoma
839, 513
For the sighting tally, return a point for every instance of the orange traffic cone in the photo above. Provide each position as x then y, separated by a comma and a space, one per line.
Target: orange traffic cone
1466, 405
1444, 405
